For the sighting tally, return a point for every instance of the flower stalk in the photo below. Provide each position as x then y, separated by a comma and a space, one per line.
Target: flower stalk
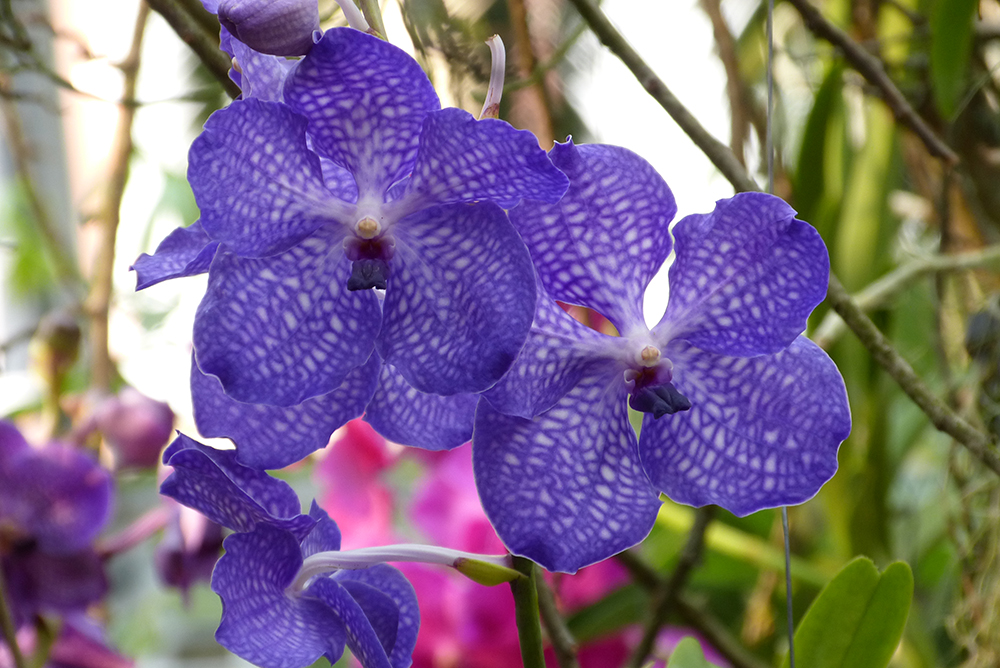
491, 105
529, 628
486, 569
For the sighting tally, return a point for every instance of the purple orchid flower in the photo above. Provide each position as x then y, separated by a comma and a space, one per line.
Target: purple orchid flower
360, 181
741, 410
266, 618
53, 503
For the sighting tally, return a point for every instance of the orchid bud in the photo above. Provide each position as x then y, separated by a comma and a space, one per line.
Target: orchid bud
136, 427
275, 27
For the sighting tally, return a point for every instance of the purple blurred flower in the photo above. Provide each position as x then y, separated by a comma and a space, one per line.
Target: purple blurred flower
53, 503
136, 427
264, 619
190, 548
755, 411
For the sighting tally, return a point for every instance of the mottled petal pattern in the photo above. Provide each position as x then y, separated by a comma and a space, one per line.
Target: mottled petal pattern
559, 352
324, 537
393, 584
746, 278
262, 76
212, 482
362, 640
273, 437
565, 489
280, 330
603, 242
460, 299
406, 416
366, 101
259, 621
259, 188
762, 432
187, 251
465, 160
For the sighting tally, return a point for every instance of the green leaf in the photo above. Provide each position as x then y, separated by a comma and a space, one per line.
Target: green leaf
951, 47
688, 654
858, 618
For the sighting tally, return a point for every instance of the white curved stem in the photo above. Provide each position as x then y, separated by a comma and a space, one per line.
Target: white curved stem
354, 17
491, 107
326, 562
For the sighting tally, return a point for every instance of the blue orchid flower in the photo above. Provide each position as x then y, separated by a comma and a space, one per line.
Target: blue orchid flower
268, 617
740, 410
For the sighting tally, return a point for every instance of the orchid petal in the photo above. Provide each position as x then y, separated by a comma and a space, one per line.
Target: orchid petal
366, 101
260, 189
280, 330
602, 243
565, 489
187, 251
746, 277
272, 437
407, 416
762, 432
460, 299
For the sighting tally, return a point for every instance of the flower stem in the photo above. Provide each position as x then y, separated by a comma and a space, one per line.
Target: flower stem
373, 13
8, 628
326, 562
529, 628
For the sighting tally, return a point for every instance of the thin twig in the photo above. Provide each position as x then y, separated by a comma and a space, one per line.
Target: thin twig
204, 44
716, 151
871, 69
879, 292
942, 417
563, 642
714, 631
665, 597
532, 97
739, 99
98, 302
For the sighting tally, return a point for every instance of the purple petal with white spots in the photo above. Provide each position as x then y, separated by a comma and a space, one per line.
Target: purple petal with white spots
558, 353
366, 101
393, 584
565, 489
42, 582
762, 432
280, 330
339, 181
213, 483
187, 251
379, 609
262, 76
406, 416
460, 300
602, 243
362, 639
262, 624
465, 160
324, 537
260, 189
746, 277
273, 437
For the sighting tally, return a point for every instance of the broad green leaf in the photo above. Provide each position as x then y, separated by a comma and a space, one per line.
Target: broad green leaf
811, 179
858, 618
616, 610
688, 654
951, 46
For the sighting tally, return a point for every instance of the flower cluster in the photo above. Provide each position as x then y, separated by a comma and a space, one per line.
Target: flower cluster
53, 502
369, 253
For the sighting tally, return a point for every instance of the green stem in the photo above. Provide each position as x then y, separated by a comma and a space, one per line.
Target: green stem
8, 628
529, 628
373, 14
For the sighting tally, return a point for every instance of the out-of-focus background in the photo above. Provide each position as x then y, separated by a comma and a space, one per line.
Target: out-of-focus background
100, 102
